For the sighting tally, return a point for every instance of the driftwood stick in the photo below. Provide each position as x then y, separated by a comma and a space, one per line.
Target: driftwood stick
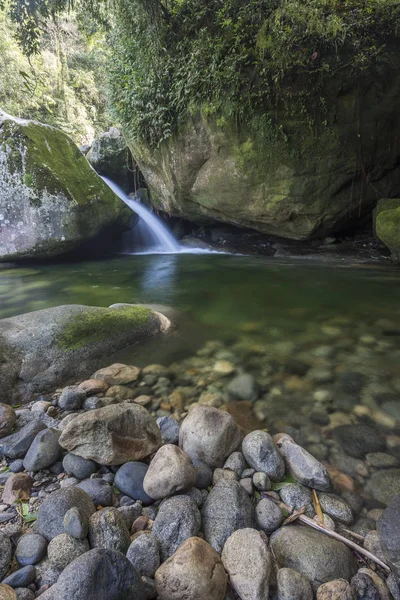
341, 538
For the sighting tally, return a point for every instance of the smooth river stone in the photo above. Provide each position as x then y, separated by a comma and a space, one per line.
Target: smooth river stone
7, 419
171, 471
261, 453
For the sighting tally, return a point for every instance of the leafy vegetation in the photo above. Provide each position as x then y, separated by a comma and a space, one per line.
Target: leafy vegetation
63, 83
237, 60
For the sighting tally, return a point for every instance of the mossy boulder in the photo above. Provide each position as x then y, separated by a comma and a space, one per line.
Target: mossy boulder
291, 173
47, 348
51, 200
387, 224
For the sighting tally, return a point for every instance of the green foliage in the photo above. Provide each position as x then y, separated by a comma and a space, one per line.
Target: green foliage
64, 83
237, 59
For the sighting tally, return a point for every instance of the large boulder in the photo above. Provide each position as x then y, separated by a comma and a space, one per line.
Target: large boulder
44, 349
110, 156
294, 183
51, 200
112, 435
387, 224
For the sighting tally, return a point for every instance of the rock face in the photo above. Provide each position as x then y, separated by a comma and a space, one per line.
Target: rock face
313, 554
99, 575
227, 509
194, 572
248, 562
50, 200
112, 435
171, 471
110, 156
209, 435
40, 350
302, 186
387, 224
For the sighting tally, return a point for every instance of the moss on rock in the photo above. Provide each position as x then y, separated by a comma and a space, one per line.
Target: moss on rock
387, 224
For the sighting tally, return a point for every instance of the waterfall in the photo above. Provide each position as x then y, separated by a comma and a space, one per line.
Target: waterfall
149, 235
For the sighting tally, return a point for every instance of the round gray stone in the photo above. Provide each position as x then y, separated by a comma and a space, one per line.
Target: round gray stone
107, 529
31, 548
99, 490
64, 548
177, 520
144, 554
50, 521
261, 453
81, 468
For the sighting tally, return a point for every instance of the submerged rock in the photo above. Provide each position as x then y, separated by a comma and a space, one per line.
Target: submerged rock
61, 200
112, 435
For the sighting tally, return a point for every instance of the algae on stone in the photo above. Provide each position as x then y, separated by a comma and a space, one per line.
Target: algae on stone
387, 224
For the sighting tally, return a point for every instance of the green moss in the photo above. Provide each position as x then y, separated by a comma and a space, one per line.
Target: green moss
97, 325
387, 224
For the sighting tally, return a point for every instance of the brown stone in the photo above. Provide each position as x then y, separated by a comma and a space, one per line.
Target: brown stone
121, 392
17, 487
7, 419
112, 435
117, 374
143, 400
242, 412
171, 471
140, 524
337, 589
7, 593
194, 572
177, 400
93, 386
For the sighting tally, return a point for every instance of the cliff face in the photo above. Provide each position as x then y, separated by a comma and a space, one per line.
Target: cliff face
314, 178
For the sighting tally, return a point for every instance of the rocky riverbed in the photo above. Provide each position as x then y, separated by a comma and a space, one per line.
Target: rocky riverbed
195, 480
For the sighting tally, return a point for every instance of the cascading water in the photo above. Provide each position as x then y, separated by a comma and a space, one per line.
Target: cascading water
149, 234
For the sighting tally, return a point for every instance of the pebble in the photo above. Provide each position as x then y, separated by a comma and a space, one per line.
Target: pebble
17, 487
292, 585
21, 578
50, 521
93, 386
7, 419
243, 387
236, 462
17, 444
269, 516
169, 429
248, 562
79, 467
17, 466
71, 398
64, 548
194, 572
129, 480
171, 471
31, 549
223, 475
107, 530
247, 484
336, 508
178, 519
369, 586
358, 440
7, 593
227, 508
337, 589
76, 524
24, 594
261, 481
384, 485
99, 490
144, 554
261, 453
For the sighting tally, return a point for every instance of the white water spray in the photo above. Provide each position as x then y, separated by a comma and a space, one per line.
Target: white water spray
150, 235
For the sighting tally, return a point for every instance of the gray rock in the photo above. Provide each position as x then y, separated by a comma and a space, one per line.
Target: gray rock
261, 481
359, 440
248, 473
99, 490
109, 155
315, 555
44, 450
24, 594
71, 398
351, 382
100, 575
17, 444
384, 485
5, 554
169, 429
79, 467
150, 588
7, 419
243, 387
177, 520
198, 496
393, 585
301, 465
261, 453
76, 524
236, 462
209, 434
130, 513
64, 548
50, 521
112, 435
17, 466
227, 509
31, 548
296, 495
171, 471
144, 554
129, 480
372, 543
369, 586
268, 515
337, 589
223, 475
107, 529
347, 464
46, 573
381, 460
248, 562
204, 475
388, 527
336, 508
293, 585
247, 485
21, 578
